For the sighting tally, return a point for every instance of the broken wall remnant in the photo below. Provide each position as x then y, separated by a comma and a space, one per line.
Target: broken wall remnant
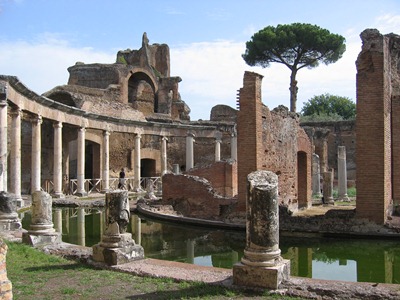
194, 197
272, 140
378, 144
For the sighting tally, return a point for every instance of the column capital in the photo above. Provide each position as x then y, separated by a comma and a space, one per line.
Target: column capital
3, 94
15, 111
164, 138
82, 129
58, 124
37, 119
218, 140
191, 134
138, 135
106, 132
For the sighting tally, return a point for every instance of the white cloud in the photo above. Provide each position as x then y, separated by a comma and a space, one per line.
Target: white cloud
43, 65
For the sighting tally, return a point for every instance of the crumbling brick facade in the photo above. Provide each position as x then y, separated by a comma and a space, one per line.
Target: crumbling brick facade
274, 141
222, 176
378, 89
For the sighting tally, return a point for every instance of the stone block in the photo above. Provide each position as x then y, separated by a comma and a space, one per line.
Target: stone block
33, 239
261, 277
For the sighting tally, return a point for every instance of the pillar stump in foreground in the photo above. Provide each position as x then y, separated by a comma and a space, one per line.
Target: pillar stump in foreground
41, 230
262, 264
117, 246
8, 212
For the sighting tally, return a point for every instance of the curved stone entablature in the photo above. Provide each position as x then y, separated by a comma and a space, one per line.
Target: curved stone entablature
25, 99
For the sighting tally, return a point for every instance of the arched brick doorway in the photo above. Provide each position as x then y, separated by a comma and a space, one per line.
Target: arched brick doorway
142, 93
302, 179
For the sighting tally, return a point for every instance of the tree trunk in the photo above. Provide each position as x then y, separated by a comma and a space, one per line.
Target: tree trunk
293, 90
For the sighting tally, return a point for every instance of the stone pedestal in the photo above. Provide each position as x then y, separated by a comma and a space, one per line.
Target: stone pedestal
41, 230
117, 246
8, 212
263, 277
262, 265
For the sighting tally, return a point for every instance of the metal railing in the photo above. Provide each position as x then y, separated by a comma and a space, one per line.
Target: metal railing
95, 185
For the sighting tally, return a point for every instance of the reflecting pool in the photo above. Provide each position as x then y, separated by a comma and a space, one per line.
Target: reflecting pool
321, 258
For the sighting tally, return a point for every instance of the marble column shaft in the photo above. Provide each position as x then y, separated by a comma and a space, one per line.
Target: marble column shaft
81, 162
316, 174
189, 151
15, 155
164, 163
57, 168
136, 162
218, 149
36, 154
106, 161
3, 144
342, 174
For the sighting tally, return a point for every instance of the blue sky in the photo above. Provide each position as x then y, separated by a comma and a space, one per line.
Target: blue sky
40, 39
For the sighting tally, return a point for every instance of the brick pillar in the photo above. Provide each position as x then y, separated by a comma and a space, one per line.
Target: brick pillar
5, 284
249, 132
396, 149
374, 182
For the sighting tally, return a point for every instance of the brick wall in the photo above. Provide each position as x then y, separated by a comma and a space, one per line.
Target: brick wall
222, 176
193, 196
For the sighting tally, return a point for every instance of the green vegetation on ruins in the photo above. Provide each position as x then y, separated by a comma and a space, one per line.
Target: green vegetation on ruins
36, 275
327, 107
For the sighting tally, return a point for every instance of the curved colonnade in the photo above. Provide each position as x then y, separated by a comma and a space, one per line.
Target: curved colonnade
17, 101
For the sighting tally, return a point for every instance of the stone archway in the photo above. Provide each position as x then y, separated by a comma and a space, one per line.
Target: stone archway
142, 93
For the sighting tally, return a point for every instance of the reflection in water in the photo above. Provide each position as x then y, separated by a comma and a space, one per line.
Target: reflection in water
324, 258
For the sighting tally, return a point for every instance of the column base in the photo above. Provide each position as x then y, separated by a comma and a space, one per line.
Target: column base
35, 239
261, 277
81, 194
126, 251
344, 198
11, 224
58, 195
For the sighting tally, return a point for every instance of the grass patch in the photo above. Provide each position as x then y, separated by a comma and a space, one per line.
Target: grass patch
36, 275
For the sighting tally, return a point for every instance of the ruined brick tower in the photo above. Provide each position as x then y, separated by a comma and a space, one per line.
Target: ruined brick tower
378, 115
272, 141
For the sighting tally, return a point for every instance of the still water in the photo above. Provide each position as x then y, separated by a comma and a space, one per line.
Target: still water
321, 258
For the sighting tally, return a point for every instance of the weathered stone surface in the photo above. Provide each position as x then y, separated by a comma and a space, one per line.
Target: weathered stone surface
5, 284
261, 277
8, 212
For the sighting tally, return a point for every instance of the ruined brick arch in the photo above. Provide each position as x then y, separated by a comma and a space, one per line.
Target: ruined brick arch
64, 98
142, 92
303, 169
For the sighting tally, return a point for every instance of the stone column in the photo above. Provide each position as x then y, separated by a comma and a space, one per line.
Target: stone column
136, 228
136, 163
117, 246
57, 173
190, 251
189, 151
218, 149
36, 154
234, 146
327, 187
316, 176
106, 161
262, 264
81, 163
41, 230
342, 174
3, 139
15, 156
164, 164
